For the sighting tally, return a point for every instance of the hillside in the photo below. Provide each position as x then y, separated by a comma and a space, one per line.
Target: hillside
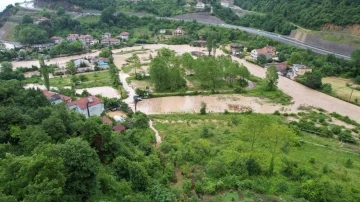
308, 13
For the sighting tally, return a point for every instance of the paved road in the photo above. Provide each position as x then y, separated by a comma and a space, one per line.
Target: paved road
278, 37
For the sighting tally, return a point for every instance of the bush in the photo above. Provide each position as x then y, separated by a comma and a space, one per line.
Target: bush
239, 90
253, 167
346, 136
203, 108
326, 88
357, 79
349, 163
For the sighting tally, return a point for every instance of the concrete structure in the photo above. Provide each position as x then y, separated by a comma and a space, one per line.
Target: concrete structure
179, 32
124, 35
162, 31
300, 69
56, 98
200, 5
85, 39
72, 37
110, 41
268, 51
56, 39
88, 106
106, 35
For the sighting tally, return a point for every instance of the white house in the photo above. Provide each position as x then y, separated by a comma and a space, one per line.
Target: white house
200, 5
124, 35
85, 39
268, 51
162, 31
224, 3
88, 106
56, 39
106, 35
110, 41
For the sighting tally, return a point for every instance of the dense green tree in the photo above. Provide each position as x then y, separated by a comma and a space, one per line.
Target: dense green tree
70, 67
81, 165
31, 34
313, 79
44, 70
261, 60
32, 178
271, 78
26, 19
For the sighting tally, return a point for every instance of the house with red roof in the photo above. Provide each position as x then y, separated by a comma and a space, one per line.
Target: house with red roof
119, 128
56, 39
85, 39
124, 35
268, 51
56, 98
72, 37
88, 106
107, 120
179, 32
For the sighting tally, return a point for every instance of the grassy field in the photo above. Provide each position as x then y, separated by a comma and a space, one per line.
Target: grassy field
341, 90
7, 32
213, 150
95, 79
89, 19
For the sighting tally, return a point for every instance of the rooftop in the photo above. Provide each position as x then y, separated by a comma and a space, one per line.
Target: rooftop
82, 103
119, 128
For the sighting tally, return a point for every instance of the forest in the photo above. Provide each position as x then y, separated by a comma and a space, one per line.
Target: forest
308, 13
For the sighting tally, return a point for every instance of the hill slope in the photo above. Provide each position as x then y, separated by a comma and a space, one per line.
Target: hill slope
308, 13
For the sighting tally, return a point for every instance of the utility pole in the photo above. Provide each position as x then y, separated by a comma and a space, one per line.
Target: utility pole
352, 90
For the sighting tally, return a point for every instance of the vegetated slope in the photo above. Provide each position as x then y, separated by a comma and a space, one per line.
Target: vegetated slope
93, 4
308, 13
216, 153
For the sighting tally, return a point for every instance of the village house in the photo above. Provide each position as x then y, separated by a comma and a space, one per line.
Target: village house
268, 51
85, 39
200, 5
107, 120
124, 35
56, 98
236, 49
94, 41
119, 128
72, 37
110, 41
227, 3
179, 32
300, 69
162, 31
106, 35
282, 68
88, 106
42, 47
56, 39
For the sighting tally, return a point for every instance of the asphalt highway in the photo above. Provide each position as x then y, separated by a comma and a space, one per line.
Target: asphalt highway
274, 36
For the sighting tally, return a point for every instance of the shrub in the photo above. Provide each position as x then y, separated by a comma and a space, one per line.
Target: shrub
253, 167
203, 108
346, 136
349, 163
326, 88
